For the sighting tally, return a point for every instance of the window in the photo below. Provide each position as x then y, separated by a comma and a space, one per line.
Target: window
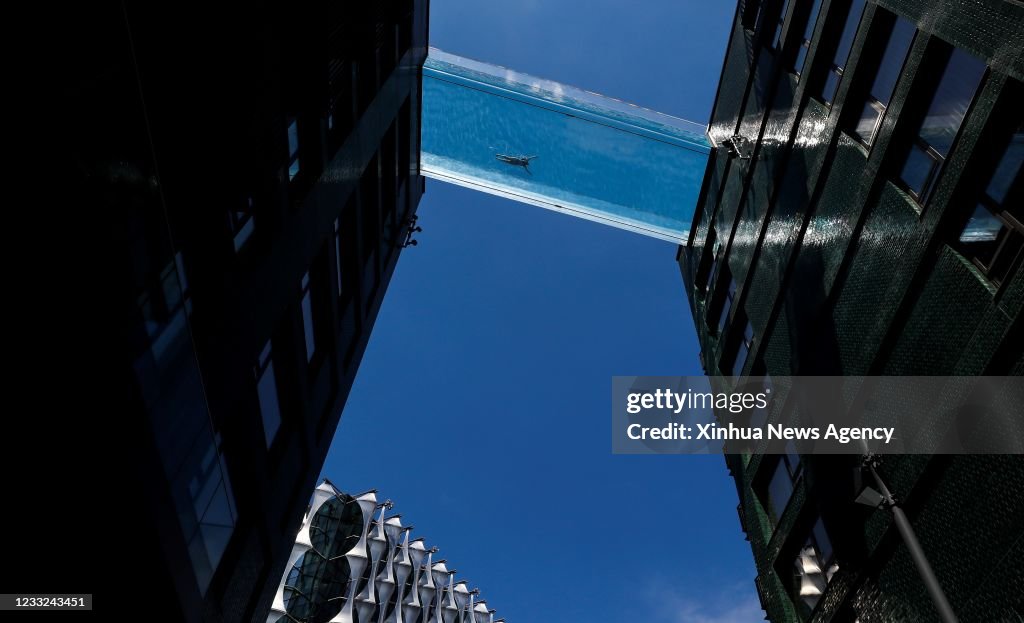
338, 269
887, 74
835, 74
186, 293
813, 569
338, 112
387, 53
805, 43
743, 346
759, 416
775, 496
993, 237
166, 307
709, 268
241, 222
301, 585
339, 102
389, 183
777, 39
346, 260
735, 358
727, 301
266, 392
293, 149
404, 144
712, 272
213, 507
370, 210
404, 35
307, 317
752, 14
367, 69
941, 124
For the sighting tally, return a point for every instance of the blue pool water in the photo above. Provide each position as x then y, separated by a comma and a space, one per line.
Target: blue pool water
597, 158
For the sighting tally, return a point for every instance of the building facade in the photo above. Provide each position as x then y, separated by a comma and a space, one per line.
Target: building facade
353, 563
250, 176
861, 214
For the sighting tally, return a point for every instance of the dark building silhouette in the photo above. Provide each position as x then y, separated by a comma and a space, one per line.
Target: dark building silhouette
245, 178
862, 215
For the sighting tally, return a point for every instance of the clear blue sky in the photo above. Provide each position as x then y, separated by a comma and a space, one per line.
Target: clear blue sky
482, 406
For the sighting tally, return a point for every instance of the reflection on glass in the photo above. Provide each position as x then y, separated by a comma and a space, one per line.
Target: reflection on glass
805, 44
266, 391
293, 150
952, 98
780, 489
336, 527
213, 512
828, 91
813, 569
801, 57
941, 124
310, 585
842, 54
743, 349
242, 224
868, 121
793, 461
723, 315
307, 318
983, 226
917, 170
1008, 169
777, 39
218, 524
896, 49
165, 307
886, 76
752, 14
711, 271
993, 237
298, 587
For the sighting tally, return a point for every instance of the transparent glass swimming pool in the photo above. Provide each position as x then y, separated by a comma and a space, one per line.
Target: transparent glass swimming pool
596, 157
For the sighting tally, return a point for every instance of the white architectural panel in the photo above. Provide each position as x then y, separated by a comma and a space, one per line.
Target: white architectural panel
352, 562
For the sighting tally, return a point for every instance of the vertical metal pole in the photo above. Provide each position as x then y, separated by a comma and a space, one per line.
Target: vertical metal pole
946, 614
